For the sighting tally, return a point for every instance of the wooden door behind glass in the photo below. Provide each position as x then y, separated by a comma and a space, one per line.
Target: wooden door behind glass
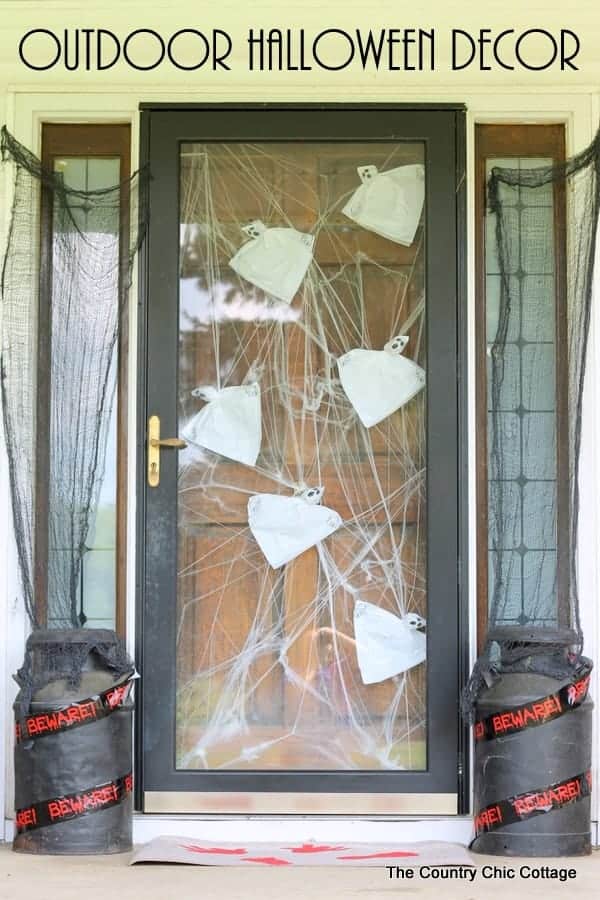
266, 658
262, 662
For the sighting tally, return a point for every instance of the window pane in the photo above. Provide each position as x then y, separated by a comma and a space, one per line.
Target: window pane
522, 455
97, 582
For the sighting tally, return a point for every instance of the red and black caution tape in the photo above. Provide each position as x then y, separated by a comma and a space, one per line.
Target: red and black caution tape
533, 803
536, 712
73, 806
74, 715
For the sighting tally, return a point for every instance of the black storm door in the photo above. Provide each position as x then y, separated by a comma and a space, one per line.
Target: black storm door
300, 628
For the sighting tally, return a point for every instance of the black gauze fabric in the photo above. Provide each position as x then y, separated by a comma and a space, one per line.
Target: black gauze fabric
95, 236
528, 207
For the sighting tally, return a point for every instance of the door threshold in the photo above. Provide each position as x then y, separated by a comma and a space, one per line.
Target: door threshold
456, 829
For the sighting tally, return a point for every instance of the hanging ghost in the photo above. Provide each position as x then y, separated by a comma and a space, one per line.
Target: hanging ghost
386, 644
275, 260
229, 424
389, 203
284, 527
378, 382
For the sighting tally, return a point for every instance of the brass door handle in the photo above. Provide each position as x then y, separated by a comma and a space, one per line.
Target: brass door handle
155, 442
176, 443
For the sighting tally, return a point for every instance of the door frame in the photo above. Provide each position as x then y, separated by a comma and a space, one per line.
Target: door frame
443, 789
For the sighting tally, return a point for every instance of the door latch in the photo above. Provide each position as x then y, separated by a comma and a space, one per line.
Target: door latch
155, 442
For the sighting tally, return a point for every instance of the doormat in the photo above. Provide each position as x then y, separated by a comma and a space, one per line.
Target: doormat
184, 850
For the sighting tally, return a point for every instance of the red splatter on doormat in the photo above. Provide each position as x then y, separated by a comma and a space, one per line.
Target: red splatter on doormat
184, 850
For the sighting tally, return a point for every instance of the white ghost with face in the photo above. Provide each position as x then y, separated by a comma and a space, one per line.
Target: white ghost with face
389, 203
386, 644
275, 260
378, 382
230, 423
284, 527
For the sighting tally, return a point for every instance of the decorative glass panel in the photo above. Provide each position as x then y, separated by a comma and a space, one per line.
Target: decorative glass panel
525, 499
97, 582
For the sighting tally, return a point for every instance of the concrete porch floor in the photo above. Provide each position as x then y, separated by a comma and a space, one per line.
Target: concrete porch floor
110, 878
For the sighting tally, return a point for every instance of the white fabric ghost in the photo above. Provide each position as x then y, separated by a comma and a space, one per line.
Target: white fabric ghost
284, 527
378, 382
275, 260
229, 424
389, 203
386, 644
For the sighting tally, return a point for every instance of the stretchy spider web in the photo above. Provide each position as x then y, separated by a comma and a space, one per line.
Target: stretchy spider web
267, 665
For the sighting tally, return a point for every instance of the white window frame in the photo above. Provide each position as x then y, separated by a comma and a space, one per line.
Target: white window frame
579, 110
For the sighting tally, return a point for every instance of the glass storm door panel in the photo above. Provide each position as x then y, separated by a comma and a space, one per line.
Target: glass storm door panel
301, 607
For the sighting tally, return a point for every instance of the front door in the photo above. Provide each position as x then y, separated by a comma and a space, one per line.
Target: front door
300, 604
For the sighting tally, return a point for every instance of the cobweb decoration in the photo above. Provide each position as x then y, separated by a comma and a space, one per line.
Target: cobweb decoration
267, 664
546, 221
95, 235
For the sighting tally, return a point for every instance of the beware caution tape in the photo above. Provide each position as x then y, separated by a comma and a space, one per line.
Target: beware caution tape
537, 712
533, 803
72, 806
74, 715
